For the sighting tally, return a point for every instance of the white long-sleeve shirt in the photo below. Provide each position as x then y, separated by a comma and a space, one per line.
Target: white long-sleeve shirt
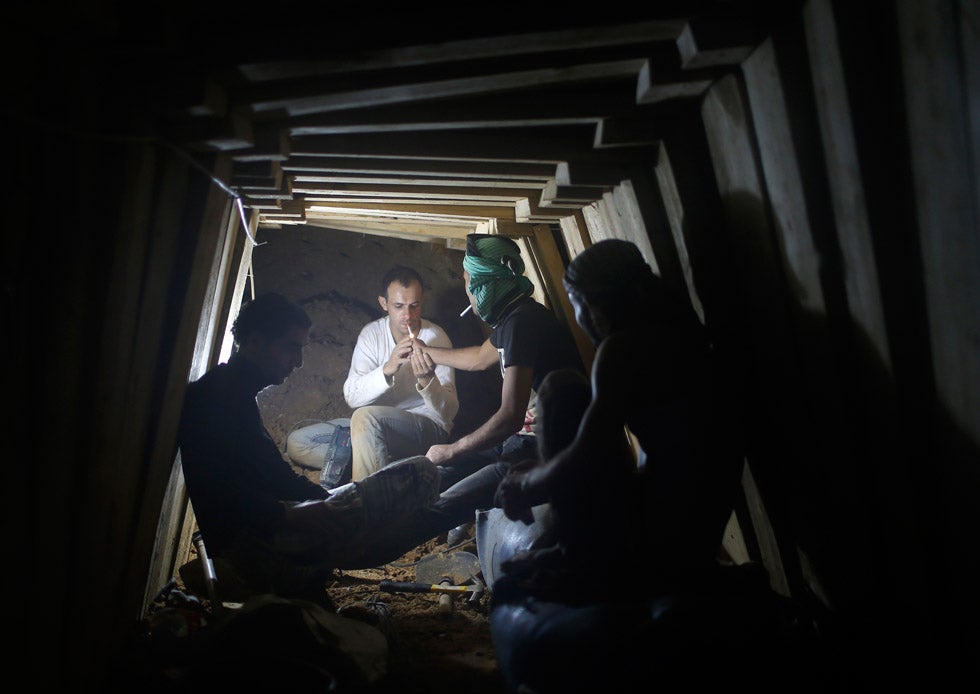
366, 383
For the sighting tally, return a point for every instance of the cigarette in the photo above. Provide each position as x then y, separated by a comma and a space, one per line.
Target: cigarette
465, 311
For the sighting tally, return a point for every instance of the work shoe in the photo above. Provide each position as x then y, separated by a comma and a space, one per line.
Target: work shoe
374, 612
459, 534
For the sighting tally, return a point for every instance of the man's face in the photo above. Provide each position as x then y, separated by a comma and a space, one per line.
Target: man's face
404, 307
278, 357
466, 286
583, 316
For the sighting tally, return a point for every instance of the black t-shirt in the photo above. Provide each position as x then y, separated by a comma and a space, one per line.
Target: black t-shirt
235, 474
530, 335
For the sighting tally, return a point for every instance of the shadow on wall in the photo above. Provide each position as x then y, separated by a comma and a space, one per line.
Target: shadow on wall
870, 494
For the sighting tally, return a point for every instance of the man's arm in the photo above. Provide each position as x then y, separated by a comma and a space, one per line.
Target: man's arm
600, 435
435, 383
475, 358
367, 380
506, 421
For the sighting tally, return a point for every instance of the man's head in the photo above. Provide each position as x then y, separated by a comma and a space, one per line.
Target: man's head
494, 274
270, 332
610, 286
401, 298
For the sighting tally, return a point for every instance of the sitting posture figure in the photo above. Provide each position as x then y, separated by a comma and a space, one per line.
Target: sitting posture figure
404, 402
658, 516
279, 531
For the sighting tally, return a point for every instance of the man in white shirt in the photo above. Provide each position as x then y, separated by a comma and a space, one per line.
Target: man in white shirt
403, 402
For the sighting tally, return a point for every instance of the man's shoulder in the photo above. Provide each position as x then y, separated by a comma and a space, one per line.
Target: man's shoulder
375, 325
617, 353
214, 393
205, 400
373, 329
215, 377
524, 309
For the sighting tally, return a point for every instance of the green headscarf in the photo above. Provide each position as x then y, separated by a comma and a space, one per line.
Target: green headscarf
496, 274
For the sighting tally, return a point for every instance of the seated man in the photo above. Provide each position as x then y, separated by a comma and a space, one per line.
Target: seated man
404, 402
661, 517
279, 531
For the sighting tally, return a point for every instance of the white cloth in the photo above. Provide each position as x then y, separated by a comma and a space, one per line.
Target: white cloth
366, 383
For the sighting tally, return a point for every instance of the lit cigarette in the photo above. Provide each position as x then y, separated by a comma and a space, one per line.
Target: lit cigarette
465, 311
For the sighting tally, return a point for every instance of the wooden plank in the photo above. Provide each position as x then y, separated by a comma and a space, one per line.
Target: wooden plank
525, 44
576, 234
458, 191
657, 83
674, 212
417, 185
263, 175
553, 193
471, 171
580, 102
764, 534
341, 93
527, 145
710, 41
403, 230
194, 340
428, 209
551, 269
943, 130
232, 131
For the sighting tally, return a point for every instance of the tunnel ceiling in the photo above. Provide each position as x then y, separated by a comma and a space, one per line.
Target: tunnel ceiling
431, 135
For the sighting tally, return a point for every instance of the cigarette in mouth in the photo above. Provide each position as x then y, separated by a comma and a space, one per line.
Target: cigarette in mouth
465, 310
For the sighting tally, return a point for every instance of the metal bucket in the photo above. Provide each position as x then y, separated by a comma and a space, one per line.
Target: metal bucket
498, 538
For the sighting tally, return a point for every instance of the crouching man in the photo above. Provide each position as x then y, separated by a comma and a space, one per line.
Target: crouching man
278, 530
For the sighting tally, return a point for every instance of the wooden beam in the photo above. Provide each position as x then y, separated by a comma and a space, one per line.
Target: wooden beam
527, 145
555, 105
575, 195
422, 190
526, 44
551, 269
710, 41
414, 168
341, 92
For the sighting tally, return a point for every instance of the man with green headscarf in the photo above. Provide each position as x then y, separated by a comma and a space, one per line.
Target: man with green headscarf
527, 342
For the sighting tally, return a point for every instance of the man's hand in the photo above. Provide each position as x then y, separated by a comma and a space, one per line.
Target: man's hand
399, 355
440, 453
422, 365
512, 492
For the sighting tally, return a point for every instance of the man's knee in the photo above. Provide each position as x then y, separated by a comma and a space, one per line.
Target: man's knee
416, 472
363, 420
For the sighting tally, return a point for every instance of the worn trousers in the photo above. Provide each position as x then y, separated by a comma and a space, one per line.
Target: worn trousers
381, 434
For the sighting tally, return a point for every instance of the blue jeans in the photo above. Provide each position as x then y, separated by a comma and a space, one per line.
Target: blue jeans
511, 450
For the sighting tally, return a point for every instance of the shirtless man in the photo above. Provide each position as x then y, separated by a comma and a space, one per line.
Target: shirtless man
661, 515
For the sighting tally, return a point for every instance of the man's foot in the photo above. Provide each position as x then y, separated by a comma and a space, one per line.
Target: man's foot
459, 535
